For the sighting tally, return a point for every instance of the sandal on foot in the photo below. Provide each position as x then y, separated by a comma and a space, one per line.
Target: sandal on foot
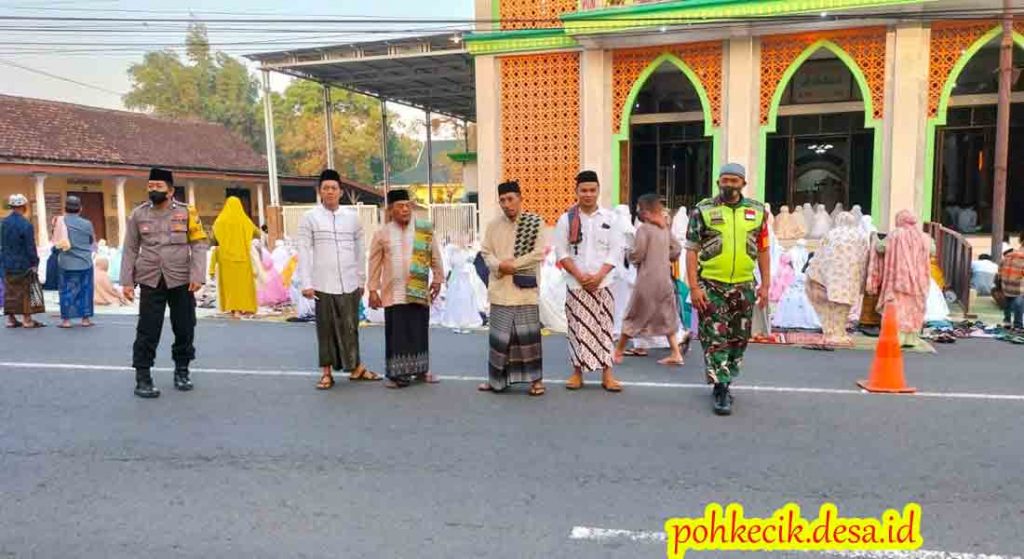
537, 390
484, 387
671, 362
429, 378
34, 324
817, 347
364, 375
614, 387
574, 385
326, 382
395, 385
14, 324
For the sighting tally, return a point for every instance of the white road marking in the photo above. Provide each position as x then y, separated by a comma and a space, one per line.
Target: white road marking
467, 378
586, 533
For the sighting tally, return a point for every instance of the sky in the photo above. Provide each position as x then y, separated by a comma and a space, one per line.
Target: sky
97, 54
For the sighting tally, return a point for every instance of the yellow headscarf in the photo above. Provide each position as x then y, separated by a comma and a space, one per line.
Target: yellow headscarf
233, 231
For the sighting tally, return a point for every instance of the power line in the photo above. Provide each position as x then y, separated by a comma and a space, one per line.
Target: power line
61, 78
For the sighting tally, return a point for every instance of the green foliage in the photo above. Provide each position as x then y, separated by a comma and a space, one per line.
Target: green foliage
215, 87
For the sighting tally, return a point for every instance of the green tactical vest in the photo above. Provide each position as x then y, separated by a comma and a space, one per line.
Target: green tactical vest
728, 254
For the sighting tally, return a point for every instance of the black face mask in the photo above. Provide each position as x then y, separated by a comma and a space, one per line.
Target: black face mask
730, 192
157, 197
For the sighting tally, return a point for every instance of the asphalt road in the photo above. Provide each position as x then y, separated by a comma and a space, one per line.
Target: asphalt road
262, 465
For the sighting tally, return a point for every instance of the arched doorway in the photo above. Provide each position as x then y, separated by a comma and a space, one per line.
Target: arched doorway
821, 149
964, 146
666, 143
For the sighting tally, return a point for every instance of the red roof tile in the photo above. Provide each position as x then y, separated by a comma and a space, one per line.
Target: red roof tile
41, 130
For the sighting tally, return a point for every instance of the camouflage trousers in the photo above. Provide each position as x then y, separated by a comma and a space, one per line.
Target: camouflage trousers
725, 328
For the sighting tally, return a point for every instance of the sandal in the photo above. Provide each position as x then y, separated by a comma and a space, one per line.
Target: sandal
363, 375
14, 324
484, 387
671, 362
429, 378
34, 324
395, 385
614, 387
537, 390
326, 382
574, 385
817, 347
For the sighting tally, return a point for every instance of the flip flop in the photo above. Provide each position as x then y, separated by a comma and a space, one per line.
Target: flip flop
817, 347
13, 325
395, 385
537, 390
365, 375
634, 353
68, 327
671, 362
34, 325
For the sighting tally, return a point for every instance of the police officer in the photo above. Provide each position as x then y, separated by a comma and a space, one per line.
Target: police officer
164, 253
727, 238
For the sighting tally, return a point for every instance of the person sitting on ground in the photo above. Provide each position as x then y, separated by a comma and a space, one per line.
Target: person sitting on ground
983, 274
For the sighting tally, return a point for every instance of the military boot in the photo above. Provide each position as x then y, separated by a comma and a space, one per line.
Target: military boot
181, 380
144, 384
722, 399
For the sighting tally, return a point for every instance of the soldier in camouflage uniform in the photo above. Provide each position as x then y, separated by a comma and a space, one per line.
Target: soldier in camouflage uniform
727, 238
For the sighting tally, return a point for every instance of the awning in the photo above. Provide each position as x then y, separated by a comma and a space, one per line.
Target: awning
433, 72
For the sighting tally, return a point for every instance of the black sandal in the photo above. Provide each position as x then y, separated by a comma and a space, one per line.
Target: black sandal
326, 382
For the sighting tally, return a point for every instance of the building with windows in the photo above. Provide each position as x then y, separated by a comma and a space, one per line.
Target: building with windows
49, 150
886, 104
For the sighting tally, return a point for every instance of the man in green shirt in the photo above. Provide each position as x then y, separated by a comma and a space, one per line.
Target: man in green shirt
726, 241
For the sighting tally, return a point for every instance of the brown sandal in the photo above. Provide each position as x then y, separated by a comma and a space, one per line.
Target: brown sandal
326, 382
574, 385
364, 375
613, 387
537, 390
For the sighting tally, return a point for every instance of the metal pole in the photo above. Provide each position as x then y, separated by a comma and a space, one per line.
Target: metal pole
1002, 133
268, 124
430, 162
328, 126
384, 143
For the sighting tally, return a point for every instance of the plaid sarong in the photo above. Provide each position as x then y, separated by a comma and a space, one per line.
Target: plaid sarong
515, 355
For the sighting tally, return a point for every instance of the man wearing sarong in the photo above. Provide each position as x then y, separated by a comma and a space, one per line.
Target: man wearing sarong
405, 275
75, 283
513, 248
726, 239
588, 245
20, 260
332, 271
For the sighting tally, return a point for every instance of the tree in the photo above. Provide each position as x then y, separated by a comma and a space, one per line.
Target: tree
215, 87
299, 128
209, 86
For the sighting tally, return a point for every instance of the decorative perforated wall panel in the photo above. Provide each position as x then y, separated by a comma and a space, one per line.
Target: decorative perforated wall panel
533, 14
705, 59
866, 46
949, 40
540, 129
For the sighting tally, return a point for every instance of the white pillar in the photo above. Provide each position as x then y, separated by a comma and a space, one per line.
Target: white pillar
122, 211
488, 118
191, 193
260, 206
328, 127
741, 111
268, 124
43, 226
905, 122
596, 106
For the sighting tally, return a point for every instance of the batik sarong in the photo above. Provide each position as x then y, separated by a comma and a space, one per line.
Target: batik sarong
590, 321
337, 330
16, 293
515, 355
406, 341
725, 328
76, 293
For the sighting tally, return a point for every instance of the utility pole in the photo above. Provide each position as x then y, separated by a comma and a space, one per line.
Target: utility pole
1002, 133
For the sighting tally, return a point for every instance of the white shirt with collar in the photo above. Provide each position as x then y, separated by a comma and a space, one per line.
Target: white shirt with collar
602, 244
332, 251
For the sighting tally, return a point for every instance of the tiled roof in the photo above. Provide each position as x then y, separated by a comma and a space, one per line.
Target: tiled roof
41, 130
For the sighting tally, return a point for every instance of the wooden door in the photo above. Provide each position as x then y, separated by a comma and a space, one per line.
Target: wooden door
92, 209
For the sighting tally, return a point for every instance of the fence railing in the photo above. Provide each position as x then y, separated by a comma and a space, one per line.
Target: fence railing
369, 216
955, 255
456, 223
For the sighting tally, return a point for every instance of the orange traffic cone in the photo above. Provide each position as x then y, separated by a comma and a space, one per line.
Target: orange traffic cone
887, 370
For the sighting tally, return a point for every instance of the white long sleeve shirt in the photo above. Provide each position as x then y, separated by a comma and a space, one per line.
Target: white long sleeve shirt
602, 244
332, 251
